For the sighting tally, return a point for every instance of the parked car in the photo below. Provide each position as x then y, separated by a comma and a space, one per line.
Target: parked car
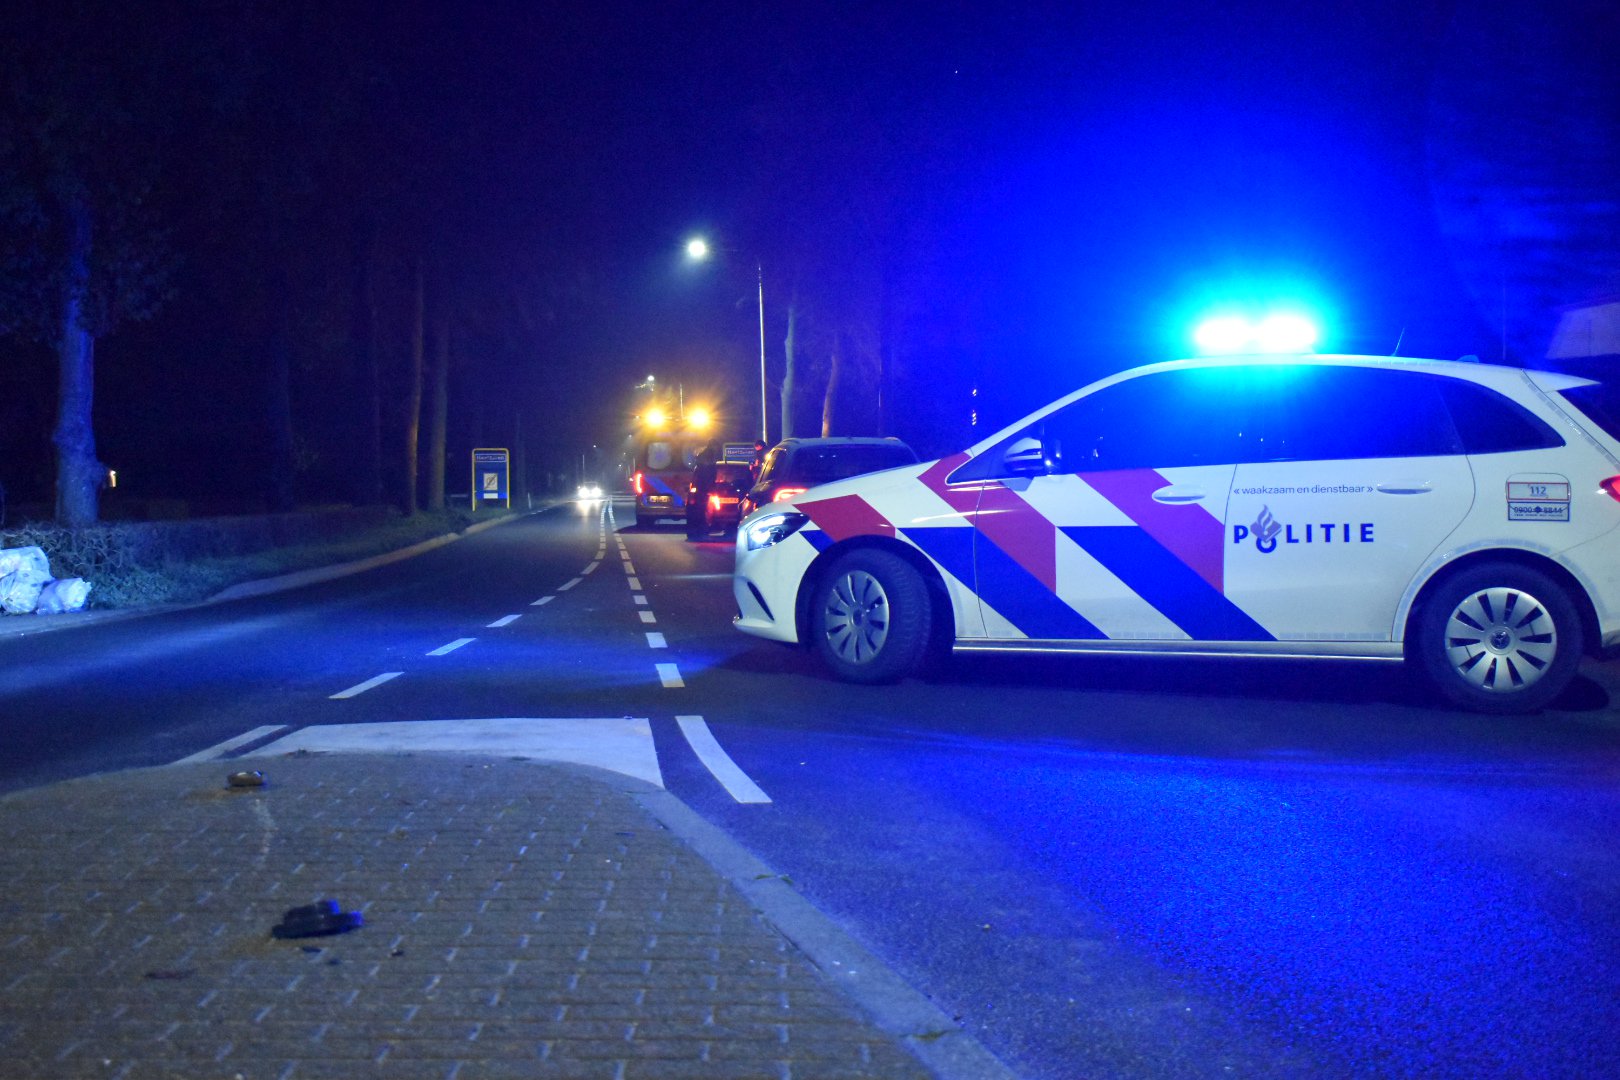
1460, 516
716, 491
793, 466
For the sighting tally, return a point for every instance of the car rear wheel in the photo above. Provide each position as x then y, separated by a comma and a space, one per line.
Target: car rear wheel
869, 617
1499, 638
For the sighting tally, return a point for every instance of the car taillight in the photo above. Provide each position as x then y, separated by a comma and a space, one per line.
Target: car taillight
637, 481
1612, 486
714, 502
786, 493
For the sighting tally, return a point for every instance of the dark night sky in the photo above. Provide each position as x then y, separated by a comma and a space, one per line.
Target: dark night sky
1061, 189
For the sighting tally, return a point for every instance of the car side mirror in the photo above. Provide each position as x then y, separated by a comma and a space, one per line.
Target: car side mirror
1026, 457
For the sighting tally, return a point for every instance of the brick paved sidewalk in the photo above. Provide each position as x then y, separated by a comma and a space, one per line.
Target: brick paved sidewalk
520, 920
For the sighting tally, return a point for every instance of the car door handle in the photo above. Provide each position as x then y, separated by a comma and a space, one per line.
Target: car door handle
1405, 487
1179, 493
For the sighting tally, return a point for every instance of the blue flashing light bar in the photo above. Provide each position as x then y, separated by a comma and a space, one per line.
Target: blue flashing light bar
1281, 332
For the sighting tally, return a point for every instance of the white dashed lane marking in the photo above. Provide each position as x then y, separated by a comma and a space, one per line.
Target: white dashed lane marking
591, 569
635, 584
640, 599
670, 676
370, 684
718, 762
647, 616
506, 620
542, 600
452, 647
565, 586
656, 641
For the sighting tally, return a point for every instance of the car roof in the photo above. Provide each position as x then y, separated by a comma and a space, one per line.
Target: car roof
844, 440
1497, 376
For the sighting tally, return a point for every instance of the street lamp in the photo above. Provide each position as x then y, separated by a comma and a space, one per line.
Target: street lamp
698, 250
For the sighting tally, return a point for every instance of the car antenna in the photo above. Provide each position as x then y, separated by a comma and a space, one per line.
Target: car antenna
1398, 339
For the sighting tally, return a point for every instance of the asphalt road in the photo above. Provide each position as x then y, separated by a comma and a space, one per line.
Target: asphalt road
1102, 867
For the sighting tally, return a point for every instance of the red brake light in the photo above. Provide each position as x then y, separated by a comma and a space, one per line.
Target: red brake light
637, 481
1612, 486
786, 493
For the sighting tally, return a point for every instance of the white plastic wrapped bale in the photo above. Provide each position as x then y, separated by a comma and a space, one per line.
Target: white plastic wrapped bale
23, 573
62, 596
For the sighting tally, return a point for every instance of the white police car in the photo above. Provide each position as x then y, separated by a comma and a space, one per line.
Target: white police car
1463, 517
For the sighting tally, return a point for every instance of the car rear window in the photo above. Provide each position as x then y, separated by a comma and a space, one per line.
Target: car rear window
1600, 402
661, 455
823, 464
729, 472
1489, 423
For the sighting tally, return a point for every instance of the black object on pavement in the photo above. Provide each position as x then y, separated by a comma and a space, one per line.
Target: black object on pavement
315, 920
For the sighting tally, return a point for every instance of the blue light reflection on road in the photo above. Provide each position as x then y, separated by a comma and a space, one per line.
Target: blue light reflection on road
1307, 917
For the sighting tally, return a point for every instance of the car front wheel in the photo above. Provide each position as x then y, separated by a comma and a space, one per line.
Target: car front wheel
869, 617
1499, 638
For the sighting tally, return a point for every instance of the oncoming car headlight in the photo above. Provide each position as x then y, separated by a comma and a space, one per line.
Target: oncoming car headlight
774, 528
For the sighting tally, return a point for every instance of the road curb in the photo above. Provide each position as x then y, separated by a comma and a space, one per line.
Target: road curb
897, 1007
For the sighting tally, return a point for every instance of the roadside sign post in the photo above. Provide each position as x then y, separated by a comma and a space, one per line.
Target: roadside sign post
491, 477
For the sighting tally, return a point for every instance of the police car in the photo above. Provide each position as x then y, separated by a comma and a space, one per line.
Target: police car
1462, 517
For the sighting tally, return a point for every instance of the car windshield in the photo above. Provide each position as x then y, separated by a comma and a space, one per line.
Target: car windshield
823, 464
1600, 402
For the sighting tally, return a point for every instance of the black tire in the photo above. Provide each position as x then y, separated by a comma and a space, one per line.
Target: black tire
870, 616
1498, 638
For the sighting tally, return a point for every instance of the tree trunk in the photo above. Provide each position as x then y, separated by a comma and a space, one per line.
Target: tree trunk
518, 462
78, 474
413, 405
439, 413
281, 463
831, 412
369, 336
790, 354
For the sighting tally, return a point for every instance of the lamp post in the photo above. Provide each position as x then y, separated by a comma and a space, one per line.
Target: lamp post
698, 250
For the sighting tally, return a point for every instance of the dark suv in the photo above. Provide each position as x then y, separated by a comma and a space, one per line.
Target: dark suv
795, 465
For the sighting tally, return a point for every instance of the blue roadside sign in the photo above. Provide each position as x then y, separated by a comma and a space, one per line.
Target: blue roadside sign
491, 479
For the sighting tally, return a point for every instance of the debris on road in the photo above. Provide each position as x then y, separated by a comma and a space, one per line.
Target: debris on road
316, 920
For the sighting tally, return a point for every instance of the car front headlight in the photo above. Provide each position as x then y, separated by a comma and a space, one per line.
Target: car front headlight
774, 528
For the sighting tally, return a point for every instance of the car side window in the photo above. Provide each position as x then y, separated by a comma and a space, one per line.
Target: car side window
1238, 414
1322, 413
1489, 423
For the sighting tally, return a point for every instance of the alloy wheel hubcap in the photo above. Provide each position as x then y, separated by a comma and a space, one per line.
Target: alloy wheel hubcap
856, 620
1501, 640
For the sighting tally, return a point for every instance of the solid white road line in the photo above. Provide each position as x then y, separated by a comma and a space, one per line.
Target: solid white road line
621, 744
370, 684
542, 600
635, 584
656, 641
670, 675
565, 586
452, 647
505, 620
221, 749
647, 616
718, 762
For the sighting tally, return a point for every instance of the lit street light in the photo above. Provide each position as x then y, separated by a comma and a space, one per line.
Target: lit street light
698, 250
